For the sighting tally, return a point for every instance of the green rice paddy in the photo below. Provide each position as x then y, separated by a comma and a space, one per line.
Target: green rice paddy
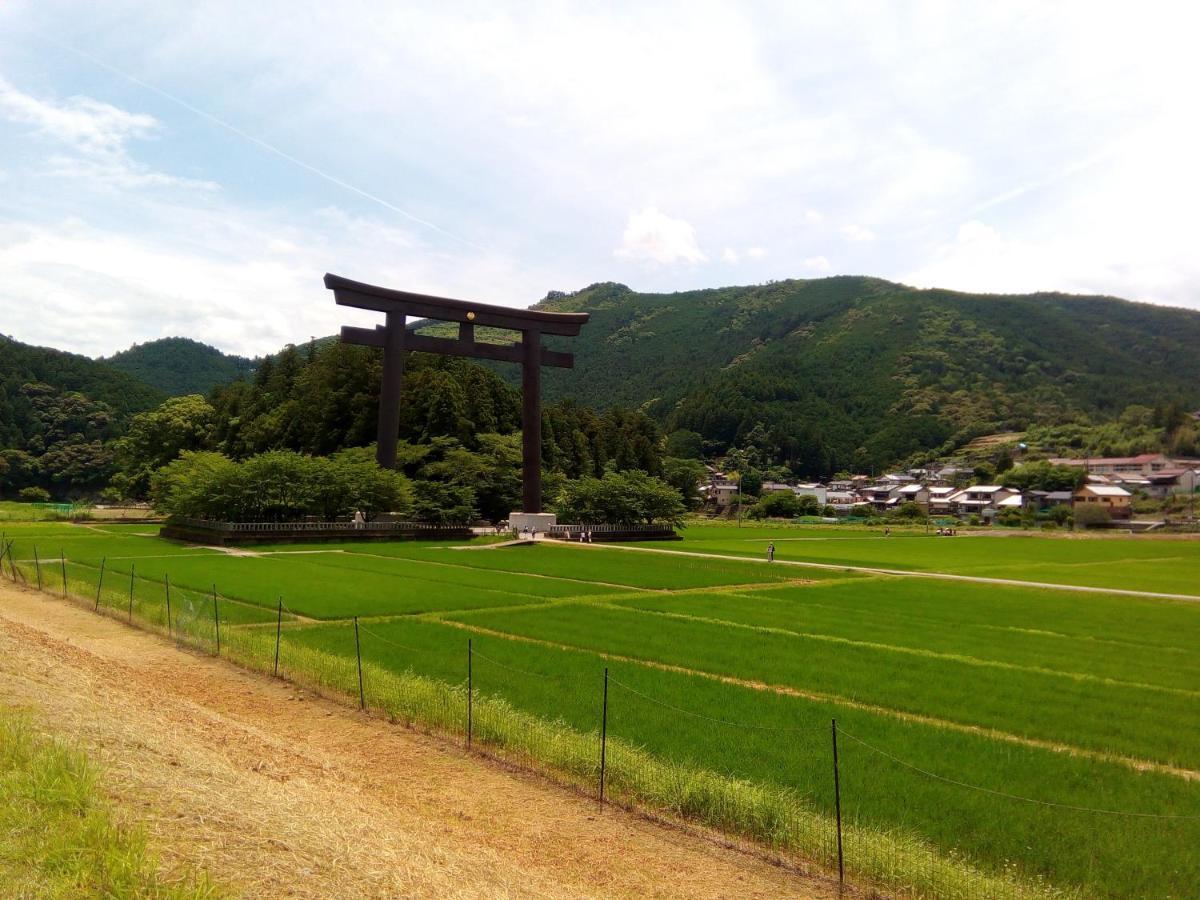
1048, 739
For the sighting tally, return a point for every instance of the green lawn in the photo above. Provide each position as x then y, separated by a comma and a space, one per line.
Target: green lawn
933, 673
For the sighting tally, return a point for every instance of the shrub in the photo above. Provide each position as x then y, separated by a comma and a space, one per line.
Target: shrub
781, 505
34, 495
1090, 515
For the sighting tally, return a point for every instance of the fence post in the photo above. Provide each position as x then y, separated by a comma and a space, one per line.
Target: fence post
167, 588
217, 620
470, 685
278, 629
131, 570
100, 581
37, 564
62, 558
362, 697
604, 736
837, 804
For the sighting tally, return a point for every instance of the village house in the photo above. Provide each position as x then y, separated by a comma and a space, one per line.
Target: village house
1172, 481
914, 493
1116, 500
982, 500
813, 490
884, 496
940, 503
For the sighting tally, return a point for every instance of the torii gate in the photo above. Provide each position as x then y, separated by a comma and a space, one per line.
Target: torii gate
395, 340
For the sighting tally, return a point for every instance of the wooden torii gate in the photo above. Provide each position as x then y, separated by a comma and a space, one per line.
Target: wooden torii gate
395, 339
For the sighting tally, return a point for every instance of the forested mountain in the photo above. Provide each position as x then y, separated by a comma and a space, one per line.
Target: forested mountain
58, 414
178, 366
851, 372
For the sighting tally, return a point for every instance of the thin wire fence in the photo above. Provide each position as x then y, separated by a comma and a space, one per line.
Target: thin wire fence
596, 732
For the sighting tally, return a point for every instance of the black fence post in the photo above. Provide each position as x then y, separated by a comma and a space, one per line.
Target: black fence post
278, 630
100, 581
604, 736
167, 589
470, 691
217, 620
837, 804
37, 564
362, 697
131, 570
62, 558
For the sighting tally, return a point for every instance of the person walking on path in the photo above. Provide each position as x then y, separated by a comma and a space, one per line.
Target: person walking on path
771, 552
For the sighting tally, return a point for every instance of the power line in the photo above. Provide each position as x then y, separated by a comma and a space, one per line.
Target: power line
271, 148
1007, 796
688, 712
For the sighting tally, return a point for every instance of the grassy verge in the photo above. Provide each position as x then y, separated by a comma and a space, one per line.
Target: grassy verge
58, 836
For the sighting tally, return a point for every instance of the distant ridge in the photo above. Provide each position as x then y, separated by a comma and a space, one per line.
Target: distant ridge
857, 372
178, 365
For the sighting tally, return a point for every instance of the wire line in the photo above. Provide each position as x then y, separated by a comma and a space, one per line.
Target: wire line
688, 712
1007, 796
308, 167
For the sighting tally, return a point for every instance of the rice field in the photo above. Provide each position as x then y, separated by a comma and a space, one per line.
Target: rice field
993, 739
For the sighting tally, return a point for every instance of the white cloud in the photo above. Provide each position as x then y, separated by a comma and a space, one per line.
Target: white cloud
91, 126
98, 133
816, 264
813, 217
730, 256
857, 233
653, 236
756, 252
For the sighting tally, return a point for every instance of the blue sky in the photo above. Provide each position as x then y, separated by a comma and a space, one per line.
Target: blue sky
496, 153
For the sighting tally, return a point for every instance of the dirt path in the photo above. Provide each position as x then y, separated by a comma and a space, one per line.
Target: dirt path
910, 573
276, 792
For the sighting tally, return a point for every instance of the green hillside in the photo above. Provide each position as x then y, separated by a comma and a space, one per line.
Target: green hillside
179, 366
59, 413
853, 372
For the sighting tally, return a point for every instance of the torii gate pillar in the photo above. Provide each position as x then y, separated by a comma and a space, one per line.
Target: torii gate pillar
396, 339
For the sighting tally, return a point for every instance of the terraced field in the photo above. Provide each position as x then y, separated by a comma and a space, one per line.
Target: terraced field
992, 738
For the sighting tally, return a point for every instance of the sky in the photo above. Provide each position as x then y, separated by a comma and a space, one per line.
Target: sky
195, 168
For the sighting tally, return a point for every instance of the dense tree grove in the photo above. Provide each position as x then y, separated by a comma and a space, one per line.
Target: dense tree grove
620, 498
279, 485
460, 441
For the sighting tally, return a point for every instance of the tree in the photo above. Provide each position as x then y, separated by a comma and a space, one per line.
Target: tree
685, 475
493, 473
443, 504
156, 437
807, 505
620, 498
751, 482
779, 505
278, 486
684, 444
909, 510
1044, 476
1090, 515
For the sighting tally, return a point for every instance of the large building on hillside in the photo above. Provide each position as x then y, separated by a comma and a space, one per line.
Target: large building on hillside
1142, 464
